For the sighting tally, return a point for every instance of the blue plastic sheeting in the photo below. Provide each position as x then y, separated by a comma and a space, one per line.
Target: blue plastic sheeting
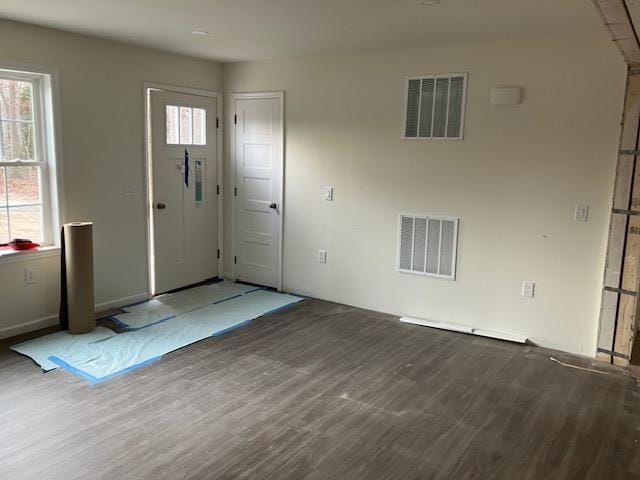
40, 349
167, 306
129, 350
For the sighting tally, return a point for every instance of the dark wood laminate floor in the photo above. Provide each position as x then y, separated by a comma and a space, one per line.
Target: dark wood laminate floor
324, 391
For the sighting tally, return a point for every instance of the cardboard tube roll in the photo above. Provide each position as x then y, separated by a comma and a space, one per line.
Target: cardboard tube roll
78, 264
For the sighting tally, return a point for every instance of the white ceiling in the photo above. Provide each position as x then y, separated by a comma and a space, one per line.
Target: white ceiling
260, 29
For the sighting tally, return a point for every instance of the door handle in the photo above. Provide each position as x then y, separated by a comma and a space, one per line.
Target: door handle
273, 205
161, 206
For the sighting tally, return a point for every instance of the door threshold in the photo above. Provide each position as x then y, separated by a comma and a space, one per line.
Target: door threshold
208, 281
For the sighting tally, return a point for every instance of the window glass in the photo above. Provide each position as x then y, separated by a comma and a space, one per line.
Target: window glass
4, 226
199, 126
26, 222
3, 187
16, 100
172, 125
16, 140
185, 126
24, 185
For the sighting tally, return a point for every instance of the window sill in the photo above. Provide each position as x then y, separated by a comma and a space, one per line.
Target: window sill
11, 256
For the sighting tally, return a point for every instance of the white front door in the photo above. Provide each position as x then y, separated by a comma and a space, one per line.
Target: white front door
259, 168
184, 189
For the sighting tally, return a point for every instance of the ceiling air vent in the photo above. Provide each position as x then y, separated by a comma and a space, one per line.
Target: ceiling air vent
427, 245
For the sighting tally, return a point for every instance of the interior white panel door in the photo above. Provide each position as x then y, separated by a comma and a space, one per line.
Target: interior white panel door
184, 189
259, 164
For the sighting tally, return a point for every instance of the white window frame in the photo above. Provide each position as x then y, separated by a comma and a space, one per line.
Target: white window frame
47, 144
405, 101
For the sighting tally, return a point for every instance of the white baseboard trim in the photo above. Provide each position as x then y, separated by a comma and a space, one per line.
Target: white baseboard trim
511, 337
52, 320
122, 302
30, 326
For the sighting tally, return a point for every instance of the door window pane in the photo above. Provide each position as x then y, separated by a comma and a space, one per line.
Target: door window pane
185, 126
199, 126
16, 140
16, 100
26, 222
172, 125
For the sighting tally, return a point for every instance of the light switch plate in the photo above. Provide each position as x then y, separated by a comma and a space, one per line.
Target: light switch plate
328, 194
581, 213
322, 256
129, 189
528, 289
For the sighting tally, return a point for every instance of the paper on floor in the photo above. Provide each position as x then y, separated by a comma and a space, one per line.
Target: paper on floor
173, 304
40, 349
128, 350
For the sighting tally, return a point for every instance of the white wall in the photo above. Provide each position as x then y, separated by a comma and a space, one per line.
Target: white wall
514, 181
102, 142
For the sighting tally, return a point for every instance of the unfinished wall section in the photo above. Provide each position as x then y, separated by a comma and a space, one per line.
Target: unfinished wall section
619, 312
620, 306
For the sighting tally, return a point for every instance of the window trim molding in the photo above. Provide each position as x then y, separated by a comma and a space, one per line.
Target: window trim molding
405, 102
49, 141
13, 256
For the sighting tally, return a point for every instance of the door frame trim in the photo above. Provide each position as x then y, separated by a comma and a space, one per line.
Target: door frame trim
278, 95
147, 87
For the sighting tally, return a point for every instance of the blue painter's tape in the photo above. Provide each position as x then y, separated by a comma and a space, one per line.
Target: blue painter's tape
230, 298
72, 369
95, 380
133, 329
229, 329
118, 322
279, 309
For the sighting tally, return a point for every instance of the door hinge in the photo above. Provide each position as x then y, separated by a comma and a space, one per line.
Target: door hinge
235, 260
217, 189
217, 122
218, 253
235, 191
235, 118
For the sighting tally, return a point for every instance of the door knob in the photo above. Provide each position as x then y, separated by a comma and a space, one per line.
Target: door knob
273, 205
161, 206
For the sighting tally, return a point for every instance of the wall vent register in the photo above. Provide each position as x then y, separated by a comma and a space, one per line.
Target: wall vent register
427, 245
435, 106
